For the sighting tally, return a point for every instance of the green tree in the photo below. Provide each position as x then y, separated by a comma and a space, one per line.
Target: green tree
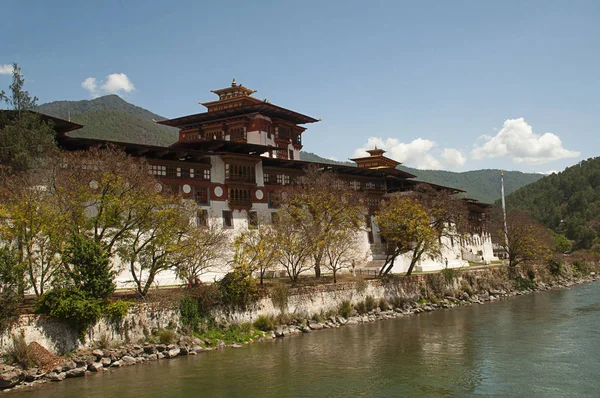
562, 244
25, 138
406, 227
11, 283
88, 267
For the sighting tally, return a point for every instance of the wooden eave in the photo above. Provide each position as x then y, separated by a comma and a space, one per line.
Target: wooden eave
248, 100
222, 146
60, 126
137, 150
264, 108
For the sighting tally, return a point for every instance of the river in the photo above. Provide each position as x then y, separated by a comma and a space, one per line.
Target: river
546, 344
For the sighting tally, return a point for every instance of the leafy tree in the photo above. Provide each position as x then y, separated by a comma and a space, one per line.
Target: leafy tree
562, 244
405, 225
88, 267
25, 137
343, 252
238, 288
293, 252
528, 240
155, 245
199, 252
330, 207
257, 249
35, 226
11, 284
448, 213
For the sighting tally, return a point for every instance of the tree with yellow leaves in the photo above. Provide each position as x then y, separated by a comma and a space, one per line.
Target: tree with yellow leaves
256, 248
322, 206
406, 227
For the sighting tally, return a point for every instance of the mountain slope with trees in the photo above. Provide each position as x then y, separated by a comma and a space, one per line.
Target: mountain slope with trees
567, 202
482, 185
112, 118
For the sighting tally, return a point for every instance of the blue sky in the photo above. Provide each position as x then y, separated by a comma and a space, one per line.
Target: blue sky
451, 85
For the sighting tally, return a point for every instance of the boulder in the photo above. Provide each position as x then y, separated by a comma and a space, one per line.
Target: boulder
183, 351
315, 326
161, 347
105, 362
53, 376
128, 360
77, 372
95, 367
306, 329
98, 353
32, 375
116, 364
10, 377
68, 365
172, 353
149, 349
152, 357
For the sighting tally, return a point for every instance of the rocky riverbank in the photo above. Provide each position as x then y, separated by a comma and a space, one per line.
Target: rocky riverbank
84, 362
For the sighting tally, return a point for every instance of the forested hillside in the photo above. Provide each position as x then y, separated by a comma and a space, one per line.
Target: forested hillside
112, 118
483, 185
567, 202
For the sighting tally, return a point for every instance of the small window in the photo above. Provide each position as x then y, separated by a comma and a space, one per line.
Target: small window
201, 195
227, 219
179, 172
266, 177
272, 201
202, 218
279, 179
286, 179
192, 173
274, 218
157, 170
291, 154
207, 174
252, 220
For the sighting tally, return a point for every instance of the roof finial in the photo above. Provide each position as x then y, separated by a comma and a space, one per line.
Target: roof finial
233, 83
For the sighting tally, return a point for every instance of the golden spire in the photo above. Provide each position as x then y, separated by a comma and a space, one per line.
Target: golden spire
233, 83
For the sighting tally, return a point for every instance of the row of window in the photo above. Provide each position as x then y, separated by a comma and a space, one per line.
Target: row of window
200, 194
239, 172
178, 172
281, 179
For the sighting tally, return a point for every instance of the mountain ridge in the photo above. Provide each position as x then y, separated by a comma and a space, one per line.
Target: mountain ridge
112, 118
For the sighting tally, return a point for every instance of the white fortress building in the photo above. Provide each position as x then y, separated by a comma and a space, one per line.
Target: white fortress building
231, 159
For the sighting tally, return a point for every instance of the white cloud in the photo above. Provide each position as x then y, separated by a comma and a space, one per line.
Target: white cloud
332, 158
90, 85
517, 140
416, 153
548, 172
6, 69
453, 157
114, 83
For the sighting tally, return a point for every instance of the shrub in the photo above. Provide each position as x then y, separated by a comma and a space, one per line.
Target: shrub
189, 314
345, 308
166, 336
449, 274
20, 353
264, 323
11, 278
398, 302
556, 265
72, 307
524, 283
317, 317
383, 304
238, 288
582, 267
361, 308
531, 274
117, 310
360, 284
279, 296
103, 341
370, 303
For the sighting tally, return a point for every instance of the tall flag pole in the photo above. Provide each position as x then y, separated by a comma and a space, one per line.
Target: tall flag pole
504, 212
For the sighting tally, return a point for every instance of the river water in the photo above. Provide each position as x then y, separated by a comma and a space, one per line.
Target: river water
547, 344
